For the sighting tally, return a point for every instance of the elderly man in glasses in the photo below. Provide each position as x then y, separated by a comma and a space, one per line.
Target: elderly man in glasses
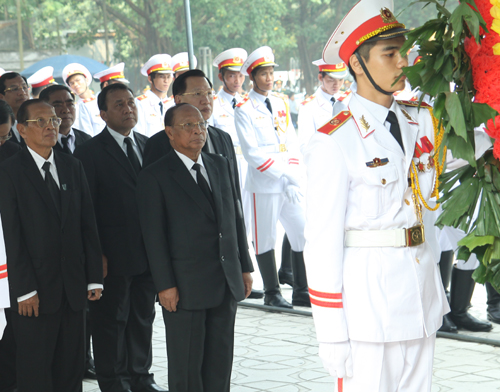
195, 238
53, 254
14, 90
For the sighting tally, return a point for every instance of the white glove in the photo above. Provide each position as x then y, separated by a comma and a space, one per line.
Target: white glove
293, 194
292, 176
336, 358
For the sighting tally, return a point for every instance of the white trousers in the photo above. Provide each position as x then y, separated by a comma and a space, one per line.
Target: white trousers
391, 367
246, 197
267, 209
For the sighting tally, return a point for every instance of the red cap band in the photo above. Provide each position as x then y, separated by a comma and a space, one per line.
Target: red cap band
45, 82
234, 62
113, 75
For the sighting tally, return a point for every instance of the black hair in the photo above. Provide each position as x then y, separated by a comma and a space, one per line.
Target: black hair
23, 113
6, 113
101, 99
364, 51
170, 114
8, 76
37, 90
180, 85
45, 94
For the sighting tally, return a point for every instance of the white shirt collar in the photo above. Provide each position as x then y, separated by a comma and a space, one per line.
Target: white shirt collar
228, 98
377, 111
39, 160
259, 97
70, 135
188, 162
120, 139
324, 95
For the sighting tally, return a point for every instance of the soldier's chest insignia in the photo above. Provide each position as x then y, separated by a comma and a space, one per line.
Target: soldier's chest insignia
377, 162
364, 123
424, 147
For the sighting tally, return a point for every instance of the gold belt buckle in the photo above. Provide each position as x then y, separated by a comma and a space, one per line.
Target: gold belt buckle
415, 235
283, 148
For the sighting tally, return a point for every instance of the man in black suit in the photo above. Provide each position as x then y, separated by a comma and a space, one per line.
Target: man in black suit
194, 231
14, 90
195, 88
7, 120
122, 322
63, 101
53, 254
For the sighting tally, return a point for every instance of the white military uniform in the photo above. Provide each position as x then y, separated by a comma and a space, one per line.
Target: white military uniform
369, 294
4, 283
89, 117
79, 69
151, 118
270, 146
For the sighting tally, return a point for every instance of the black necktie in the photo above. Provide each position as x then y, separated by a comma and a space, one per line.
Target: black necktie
234, 102
333, 104
65, 143
132, 156
203, 184
268, 104
53, 188
161, 108
395, 130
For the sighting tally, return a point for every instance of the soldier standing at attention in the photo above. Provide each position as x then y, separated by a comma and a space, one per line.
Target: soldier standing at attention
153, 104
270, 146
375, 289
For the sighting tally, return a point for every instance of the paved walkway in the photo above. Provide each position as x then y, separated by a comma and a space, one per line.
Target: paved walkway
278, 352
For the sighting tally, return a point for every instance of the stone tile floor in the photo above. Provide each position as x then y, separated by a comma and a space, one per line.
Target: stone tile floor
278, 352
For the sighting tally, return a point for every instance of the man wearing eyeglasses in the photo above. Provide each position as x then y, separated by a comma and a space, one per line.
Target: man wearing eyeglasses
195, 238
53, 254
122, 323
14, 90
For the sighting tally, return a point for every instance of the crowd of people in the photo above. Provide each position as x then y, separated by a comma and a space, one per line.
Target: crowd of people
110, 202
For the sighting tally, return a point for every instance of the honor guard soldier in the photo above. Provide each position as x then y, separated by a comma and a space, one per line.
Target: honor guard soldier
154, 103
90, 120
375, 289
78, 78
319, 108
180, 63
40, 80
270, 146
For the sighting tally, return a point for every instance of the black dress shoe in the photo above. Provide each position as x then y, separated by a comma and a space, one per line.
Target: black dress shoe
493, 313
276, 300
90, 373
470, 323
448, 325
256, 294
151, 388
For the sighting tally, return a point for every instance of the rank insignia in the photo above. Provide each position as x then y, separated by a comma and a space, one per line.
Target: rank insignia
364, 123
335, 123
377, 162
420, 167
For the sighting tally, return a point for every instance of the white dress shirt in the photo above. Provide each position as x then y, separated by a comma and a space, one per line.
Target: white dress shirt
120, 139
189, 165
39, 161
71, 139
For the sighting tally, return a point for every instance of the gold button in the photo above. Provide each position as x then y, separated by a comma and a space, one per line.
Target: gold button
418, 261
384, 181
407, 202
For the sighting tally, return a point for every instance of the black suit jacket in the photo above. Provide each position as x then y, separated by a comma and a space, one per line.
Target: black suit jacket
13, 139
190, 246
159, 145
112, 182
8, 149
48, 252
80, 138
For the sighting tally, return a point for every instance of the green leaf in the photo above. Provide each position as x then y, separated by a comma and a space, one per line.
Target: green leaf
454, 109
481, 113
479, 275
472, 241
461, 149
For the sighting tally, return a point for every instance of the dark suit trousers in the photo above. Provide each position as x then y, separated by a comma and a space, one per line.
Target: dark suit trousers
200, 345
122, 329
50, 351
8, 356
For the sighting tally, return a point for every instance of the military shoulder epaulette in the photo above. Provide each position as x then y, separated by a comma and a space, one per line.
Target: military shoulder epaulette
215, 97
280, 95
168, 99
142, 97
308, 100
336, 122
414, 104
243, 102
89, 100
344, 95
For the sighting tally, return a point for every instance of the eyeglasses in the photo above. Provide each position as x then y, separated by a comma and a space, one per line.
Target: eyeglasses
43, 122
189, 127
201, 94
3, 139
15, 89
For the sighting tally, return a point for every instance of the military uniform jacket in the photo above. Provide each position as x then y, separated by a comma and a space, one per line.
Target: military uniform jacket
223, 114
151, 120
262, 135
373, 294
89, 117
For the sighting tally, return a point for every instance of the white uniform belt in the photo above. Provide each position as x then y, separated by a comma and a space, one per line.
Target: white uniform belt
277, 148
385, 238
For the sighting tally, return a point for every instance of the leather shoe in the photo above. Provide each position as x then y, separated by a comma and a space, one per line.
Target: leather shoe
493, 313
470, 323
151, 388
276, 300
448, 325
90, 373
256, 294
